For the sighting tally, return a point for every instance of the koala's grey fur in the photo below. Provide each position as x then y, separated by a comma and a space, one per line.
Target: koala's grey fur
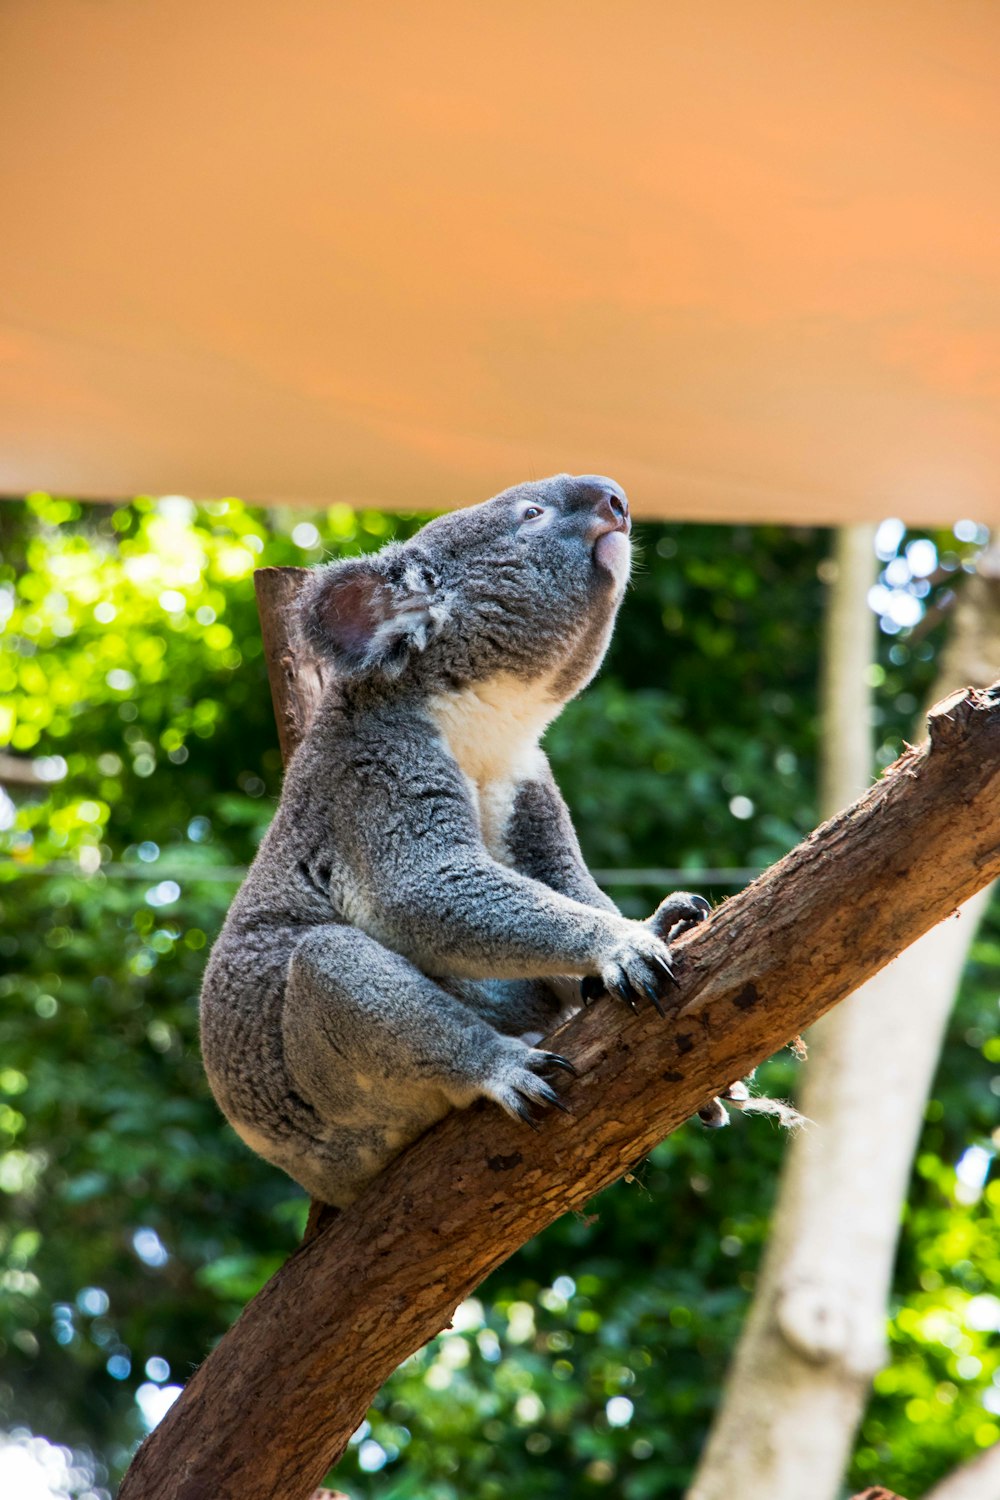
420, 902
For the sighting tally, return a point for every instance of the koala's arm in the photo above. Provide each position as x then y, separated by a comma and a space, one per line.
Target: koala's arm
436, 895
463, 913
543, 842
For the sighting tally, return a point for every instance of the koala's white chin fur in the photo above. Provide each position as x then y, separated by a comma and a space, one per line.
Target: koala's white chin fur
613, 551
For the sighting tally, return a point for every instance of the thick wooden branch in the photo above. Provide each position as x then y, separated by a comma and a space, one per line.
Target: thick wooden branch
274, 1404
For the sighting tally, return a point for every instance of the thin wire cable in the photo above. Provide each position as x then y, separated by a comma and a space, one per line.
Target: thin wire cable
233, 874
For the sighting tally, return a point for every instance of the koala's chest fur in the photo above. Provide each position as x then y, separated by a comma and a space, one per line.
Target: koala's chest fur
492, 732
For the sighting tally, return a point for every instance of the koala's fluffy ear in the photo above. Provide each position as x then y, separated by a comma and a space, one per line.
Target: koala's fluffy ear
370, 613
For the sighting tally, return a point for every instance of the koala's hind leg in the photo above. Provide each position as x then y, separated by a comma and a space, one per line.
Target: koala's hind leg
380, 1052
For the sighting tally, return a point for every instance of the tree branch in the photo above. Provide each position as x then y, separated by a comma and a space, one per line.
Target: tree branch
275, 1403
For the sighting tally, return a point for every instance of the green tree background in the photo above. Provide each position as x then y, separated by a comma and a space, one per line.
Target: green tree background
134, 1225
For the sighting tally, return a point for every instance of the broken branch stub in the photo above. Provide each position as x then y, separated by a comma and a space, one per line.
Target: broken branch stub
295, 676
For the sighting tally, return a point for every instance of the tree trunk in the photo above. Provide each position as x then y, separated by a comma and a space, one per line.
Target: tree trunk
846, 751
275, 1403
814, 1337
979, 1479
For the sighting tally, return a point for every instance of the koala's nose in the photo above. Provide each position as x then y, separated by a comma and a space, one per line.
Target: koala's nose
618, 506
608, 503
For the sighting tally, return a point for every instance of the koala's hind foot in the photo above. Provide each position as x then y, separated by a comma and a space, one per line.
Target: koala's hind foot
379, 1053
517, 1083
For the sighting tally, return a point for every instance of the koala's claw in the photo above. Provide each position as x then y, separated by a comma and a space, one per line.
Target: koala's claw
621, 986
556, 1060
631, 992
621, 989
591, 988
557, 1103
654, 999
518, 1106
667, 970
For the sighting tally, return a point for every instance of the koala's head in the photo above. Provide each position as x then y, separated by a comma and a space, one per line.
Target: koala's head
527, 583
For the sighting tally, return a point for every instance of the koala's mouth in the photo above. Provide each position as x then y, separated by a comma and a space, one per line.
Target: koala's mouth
608, 532
613, 552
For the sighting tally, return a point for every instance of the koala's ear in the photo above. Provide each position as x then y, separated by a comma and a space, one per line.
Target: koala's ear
370, 613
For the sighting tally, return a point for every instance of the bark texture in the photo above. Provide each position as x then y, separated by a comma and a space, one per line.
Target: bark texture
296, 677
275, 1403
815, 1337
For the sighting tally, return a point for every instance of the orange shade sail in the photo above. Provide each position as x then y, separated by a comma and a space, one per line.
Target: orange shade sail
743, 255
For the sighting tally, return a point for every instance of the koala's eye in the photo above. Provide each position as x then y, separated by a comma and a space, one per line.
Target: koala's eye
532, 512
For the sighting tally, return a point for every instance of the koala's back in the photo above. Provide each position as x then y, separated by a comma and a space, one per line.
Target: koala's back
314, 867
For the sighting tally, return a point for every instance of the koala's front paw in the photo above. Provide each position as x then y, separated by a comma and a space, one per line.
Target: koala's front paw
638, 965
677, 914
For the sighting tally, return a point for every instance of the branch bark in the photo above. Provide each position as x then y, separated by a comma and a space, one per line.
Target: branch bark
275, 1403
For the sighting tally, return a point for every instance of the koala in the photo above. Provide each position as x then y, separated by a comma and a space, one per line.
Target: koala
419, 911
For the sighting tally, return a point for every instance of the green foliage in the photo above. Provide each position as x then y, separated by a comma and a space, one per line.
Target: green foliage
133, 1224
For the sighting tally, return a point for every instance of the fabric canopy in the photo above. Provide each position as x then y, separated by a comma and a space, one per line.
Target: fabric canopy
744, 256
